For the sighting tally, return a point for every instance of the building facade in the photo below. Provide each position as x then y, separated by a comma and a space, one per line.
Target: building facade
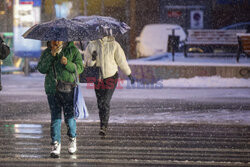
190, 14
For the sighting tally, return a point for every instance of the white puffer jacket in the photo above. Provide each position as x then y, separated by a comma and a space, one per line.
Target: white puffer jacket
110, 55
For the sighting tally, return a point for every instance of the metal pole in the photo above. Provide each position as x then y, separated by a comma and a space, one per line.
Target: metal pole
127, 21
26, 66
6, 17
102, 7
173, 44
132, 34
85, 8
54, 10
77, 7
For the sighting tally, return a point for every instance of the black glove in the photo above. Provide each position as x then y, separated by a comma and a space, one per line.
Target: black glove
131, 79
94, 55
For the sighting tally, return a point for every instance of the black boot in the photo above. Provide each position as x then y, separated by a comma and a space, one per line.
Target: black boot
103, 131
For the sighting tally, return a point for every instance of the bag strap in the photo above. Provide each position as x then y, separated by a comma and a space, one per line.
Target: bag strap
100, 69
54, 71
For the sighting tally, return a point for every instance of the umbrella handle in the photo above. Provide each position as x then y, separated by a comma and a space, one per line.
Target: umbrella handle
81, 45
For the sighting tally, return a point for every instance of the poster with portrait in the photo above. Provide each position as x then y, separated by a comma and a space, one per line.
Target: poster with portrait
196, 19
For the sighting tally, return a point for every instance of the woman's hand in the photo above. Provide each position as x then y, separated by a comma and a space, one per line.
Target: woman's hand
56, 50
64, 60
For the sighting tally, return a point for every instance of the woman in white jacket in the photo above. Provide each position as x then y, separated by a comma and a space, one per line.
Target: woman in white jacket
107, 54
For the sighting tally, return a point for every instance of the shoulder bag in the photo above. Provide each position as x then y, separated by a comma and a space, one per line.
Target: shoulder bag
90, 74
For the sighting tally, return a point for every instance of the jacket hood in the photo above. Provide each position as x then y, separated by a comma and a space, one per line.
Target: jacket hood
108, 39
71, 43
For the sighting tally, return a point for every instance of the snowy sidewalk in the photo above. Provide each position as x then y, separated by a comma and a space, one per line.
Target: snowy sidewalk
34, 85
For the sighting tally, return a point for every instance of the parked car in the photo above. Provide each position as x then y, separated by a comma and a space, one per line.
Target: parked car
238, 26
153, 39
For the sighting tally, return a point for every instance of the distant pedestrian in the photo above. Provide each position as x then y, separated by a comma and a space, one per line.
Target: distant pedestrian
4, 52
59, 62
107, 54
248, 29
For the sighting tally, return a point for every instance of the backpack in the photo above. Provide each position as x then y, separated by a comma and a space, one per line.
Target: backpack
4, 49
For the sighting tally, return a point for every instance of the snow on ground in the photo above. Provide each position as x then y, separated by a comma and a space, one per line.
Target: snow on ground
36, 80
203, 82
180, 60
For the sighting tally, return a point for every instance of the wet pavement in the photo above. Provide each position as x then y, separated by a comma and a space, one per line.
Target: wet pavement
26, 143
190, 111
166, 127
173, 132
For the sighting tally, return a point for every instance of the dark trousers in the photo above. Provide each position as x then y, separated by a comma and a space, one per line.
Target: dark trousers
57, 102
104, 90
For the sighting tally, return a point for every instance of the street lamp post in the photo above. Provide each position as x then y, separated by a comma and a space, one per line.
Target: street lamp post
85, 8
173, 44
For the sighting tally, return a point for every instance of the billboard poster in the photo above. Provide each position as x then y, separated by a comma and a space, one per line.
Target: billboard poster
26, 14
63, 10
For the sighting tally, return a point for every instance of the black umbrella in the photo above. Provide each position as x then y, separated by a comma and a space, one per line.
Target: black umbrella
58, 30
101, 26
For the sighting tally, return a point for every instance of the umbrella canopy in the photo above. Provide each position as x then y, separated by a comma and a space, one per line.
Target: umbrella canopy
58, 30
101, 26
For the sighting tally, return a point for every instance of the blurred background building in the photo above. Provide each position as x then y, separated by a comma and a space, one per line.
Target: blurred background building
190, 14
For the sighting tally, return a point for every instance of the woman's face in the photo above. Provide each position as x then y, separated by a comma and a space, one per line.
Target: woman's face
56, 44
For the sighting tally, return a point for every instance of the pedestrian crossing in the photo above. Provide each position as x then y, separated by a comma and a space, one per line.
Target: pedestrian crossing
26, 143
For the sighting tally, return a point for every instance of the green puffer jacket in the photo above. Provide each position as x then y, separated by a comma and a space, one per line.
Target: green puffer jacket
64, 72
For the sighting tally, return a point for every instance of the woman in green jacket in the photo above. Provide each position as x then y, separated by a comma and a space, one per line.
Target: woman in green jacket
59, 62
